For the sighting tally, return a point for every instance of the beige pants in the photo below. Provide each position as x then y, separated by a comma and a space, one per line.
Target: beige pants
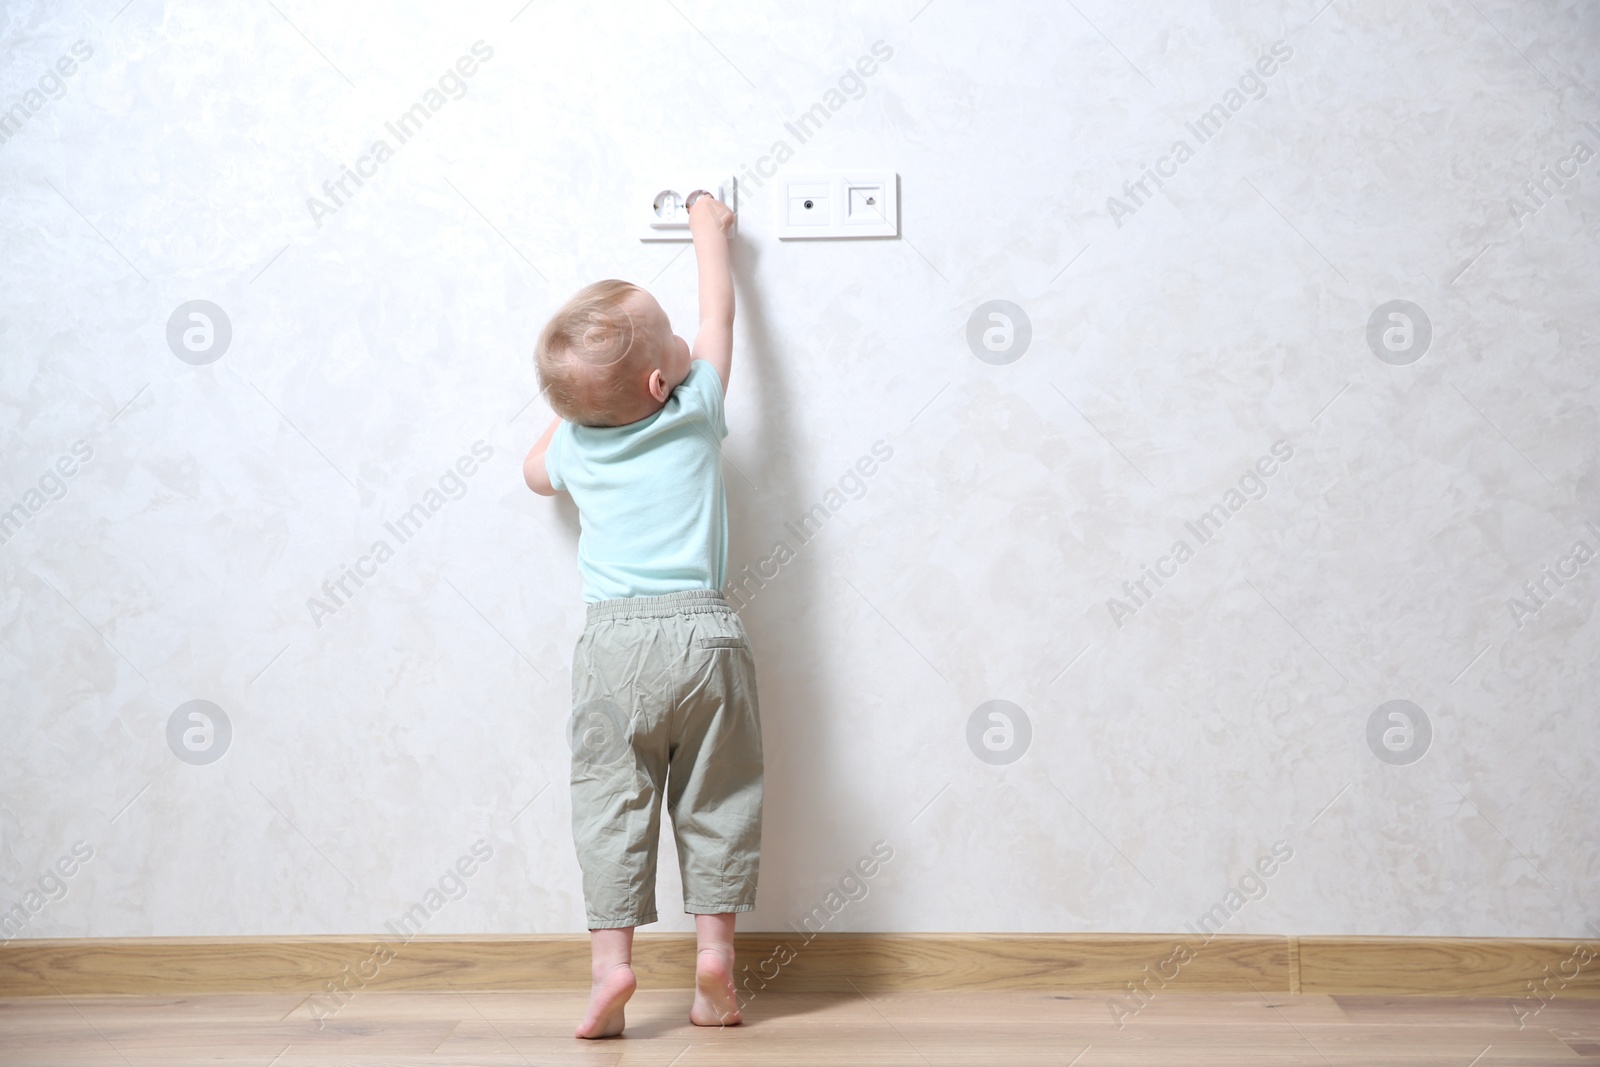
664, 704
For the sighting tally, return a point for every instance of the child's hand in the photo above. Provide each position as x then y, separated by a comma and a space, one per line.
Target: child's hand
709, 211
709, 223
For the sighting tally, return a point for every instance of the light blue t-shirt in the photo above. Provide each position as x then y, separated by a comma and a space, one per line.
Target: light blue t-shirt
652, 512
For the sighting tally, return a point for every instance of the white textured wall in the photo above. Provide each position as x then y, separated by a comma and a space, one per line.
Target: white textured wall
1176, 337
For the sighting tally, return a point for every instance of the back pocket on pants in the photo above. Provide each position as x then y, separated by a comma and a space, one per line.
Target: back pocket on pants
719, 642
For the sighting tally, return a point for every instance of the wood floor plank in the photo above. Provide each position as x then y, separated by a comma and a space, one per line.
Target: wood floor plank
943, 1029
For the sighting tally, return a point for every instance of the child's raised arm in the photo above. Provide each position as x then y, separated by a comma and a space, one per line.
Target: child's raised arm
709, 221
533, 468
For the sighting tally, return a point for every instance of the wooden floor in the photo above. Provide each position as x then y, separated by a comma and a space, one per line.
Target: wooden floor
924, 1029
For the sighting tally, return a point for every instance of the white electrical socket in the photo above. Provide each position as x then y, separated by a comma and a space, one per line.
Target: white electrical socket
843, 204
665, 218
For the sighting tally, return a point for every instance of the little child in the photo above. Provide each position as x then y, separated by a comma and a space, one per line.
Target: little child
663, 682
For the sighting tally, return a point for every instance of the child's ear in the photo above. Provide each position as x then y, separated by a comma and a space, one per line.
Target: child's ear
657, 384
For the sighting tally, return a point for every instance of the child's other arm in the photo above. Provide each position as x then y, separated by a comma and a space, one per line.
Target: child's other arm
709, 221
533, 469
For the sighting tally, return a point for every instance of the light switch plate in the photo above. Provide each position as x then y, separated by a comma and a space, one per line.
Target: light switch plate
663, 216
843, 204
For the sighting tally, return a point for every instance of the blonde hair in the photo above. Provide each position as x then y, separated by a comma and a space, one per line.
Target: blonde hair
591, 355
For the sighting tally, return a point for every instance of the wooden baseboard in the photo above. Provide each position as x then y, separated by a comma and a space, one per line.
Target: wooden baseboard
1432, 966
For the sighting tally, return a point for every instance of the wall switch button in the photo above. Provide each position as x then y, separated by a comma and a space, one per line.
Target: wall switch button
810, 204
865, 204
852, 204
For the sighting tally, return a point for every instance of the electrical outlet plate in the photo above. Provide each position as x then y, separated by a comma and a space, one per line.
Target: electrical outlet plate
842, 204
664, 218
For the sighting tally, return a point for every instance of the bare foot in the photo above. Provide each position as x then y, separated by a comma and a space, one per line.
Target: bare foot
607, 998
715, 1001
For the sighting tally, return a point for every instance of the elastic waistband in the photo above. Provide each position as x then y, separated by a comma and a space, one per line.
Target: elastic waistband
687, 602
